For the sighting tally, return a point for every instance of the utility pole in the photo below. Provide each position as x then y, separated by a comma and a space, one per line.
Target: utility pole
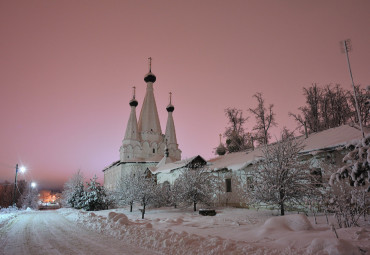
15, 183
347, 48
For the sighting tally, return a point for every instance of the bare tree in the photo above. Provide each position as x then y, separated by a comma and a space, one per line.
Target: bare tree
280, 178
330, 106
334, 108
29, 198
364, 107
236, 138
265, 119
286, 134
6, 194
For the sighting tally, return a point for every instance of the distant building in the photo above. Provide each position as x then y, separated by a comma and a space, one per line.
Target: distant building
144, 145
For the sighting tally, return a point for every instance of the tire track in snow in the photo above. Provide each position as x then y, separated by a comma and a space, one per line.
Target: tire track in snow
47, 232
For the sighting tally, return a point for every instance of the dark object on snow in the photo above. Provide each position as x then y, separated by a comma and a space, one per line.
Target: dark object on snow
207, 212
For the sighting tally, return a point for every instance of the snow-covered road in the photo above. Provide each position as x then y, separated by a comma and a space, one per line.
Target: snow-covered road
48, 232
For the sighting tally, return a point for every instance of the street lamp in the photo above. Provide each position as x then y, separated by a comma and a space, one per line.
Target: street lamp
33, 185
22, 169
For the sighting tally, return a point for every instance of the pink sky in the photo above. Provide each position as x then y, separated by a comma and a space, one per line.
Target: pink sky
67, 68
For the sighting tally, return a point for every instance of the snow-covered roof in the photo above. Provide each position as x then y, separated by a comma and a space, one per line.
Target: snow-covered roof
172, 166
236, 160
320, 141
331, 138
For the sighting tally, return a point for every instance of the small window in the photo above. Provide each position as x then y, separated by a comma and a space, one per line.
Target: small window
153, 150
228, 185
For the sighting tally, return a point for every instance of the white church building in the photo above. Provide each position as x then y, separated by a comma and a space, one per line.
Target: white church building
145, 148
144, 145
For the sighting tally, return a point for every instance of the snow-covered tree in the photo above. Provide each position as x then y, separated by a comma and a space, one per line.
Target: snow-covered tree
29, 198
265, 119
146, 192
357, 167
73, 191
175, 193
95, 197
196, 186
126, 192
279, 178
349, 200
236, 138
164, 195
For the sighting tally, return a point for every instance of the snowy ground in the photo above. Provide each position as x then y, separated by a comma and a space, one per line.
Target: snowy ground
49, 232
175, 231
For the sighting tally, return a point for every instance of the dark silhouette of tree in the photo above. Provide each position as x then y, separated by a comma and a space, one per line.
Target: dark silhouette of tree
265, 119
236, 138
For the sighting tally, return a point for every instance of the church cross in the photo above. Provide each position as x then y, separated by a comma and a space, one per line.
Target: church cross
150, 64
134, 90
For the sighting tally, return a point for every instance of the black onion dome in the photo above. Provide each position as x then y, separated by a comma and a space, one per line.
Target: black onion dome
133, 102
150, 77
170, 108
221, 150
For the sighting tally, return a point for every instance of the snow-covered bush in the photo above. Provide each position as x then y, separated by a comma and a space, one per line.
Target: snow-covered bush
280, 178
94, 198
347, 203
73, 191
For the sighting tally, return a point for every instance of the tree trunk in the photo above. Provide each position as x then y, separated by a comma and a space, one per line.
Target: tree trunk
282, 208
143, 211
131, 206
282, 195
195, 206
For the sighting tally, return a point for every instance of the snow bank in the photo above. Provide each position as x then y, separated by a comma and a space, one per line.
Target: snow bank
294, 222
6, 214
332, 246
142, 234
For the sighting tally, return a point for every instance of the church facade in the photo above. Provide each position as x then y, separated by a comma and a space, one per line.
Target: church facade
144, 145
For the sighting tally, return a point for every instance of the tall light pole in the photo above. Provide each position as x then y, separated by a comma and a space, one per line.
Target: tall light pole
22, 169
347, 48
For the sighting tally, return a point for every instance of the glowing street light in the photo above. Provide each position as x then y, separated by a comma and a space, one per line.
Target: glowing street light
22, 169
33, 185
